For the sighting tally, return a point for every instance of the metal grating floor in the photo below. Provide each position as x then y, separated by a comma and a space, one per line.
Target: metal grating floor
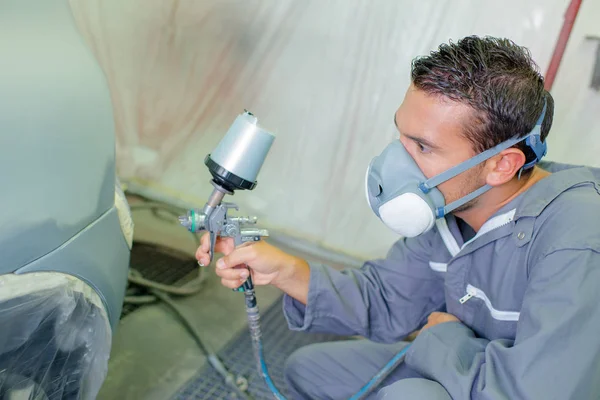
160, 264
278, 342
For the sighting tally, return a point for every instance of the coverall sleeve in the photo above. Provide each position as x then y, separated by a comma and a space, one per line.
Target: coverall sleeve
384, 300
556, 351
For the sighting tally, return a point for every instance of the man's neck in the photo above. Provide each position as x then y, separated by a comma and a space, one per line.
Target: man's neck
498, 197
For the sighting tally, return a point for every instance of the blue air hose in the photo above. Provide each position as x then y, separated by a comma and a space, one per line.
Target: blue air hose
381, 375
255, 334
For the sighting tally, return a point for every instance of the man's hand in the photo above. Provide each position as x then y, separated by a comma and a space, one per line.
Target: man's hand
438, 318
268, 265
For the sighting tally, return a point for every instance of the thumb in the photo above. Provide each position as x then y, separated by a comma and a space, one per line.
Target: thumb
241, 255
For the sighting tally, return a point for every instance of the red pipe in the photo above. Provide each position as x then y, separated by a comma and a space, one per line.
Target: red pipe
561, 43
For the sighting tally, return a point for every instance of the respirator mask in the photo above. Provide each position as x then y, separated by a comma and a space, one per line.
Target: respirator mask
408, 203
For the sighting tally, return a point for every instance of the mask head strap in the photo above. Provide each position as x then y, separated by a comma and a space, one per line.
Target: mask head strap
533, 140
441, 211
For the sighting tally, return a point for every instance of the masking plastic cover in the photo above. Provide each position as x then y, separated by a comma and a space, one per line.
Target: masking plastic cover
55, 338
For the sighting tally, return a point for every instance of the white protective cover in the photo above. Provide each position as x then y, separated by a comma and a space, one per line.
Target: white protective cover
55, 336
55, 339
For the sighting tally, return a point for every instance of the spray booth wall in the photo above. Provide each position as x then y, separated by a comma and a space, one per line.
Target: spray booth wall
325, 76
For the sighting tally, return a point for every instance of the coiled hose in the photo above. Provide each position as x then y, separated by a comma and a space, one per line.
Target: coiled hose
232, 381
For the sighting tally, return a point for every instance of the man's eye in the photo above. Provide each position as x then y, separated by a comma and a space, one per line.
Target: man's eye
422, 148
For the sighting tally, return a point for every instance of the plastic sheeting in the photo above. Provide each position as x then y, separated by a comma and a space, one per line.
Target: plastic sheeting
326, 77
55, 338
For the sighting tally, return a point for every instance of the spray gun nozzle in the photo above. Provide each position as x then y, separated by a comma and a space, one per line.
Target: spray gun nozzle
185, 221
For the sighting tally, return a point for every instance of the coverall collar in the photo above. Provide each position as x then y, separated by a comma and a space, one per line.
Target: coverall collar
563, 176
528, 204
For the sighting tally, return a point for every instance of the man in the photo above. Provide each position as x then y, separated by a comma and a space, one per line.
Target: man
499, 272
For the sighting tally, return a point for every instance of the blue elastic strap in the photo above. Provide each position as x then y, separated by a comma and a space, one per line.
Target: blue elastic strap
441, 211
533, 140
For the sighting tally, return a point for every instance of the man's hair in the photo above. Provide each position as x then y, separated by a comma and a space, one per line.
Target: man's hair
498, 79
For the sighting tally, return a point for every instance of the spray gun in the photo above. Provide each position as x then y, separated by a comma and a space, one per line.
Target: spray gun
234, 165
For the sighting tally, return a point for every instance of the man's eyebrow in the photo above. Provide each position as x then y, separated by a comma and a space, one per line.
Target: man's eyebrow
422, 141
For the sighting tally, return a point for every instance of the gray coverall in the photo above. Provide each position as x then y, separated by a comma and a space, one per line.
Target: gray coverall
526, 289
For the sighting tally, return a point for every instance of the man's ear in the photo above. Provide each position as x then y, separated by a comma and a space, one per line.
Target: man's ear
503, 167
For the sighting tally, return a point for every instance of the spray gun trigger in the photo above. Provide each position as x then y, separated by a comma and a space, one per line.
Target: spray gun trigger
213, 241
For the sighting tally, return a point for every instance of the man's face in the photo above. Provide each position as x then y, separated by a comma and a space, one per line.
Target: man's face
431, 128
